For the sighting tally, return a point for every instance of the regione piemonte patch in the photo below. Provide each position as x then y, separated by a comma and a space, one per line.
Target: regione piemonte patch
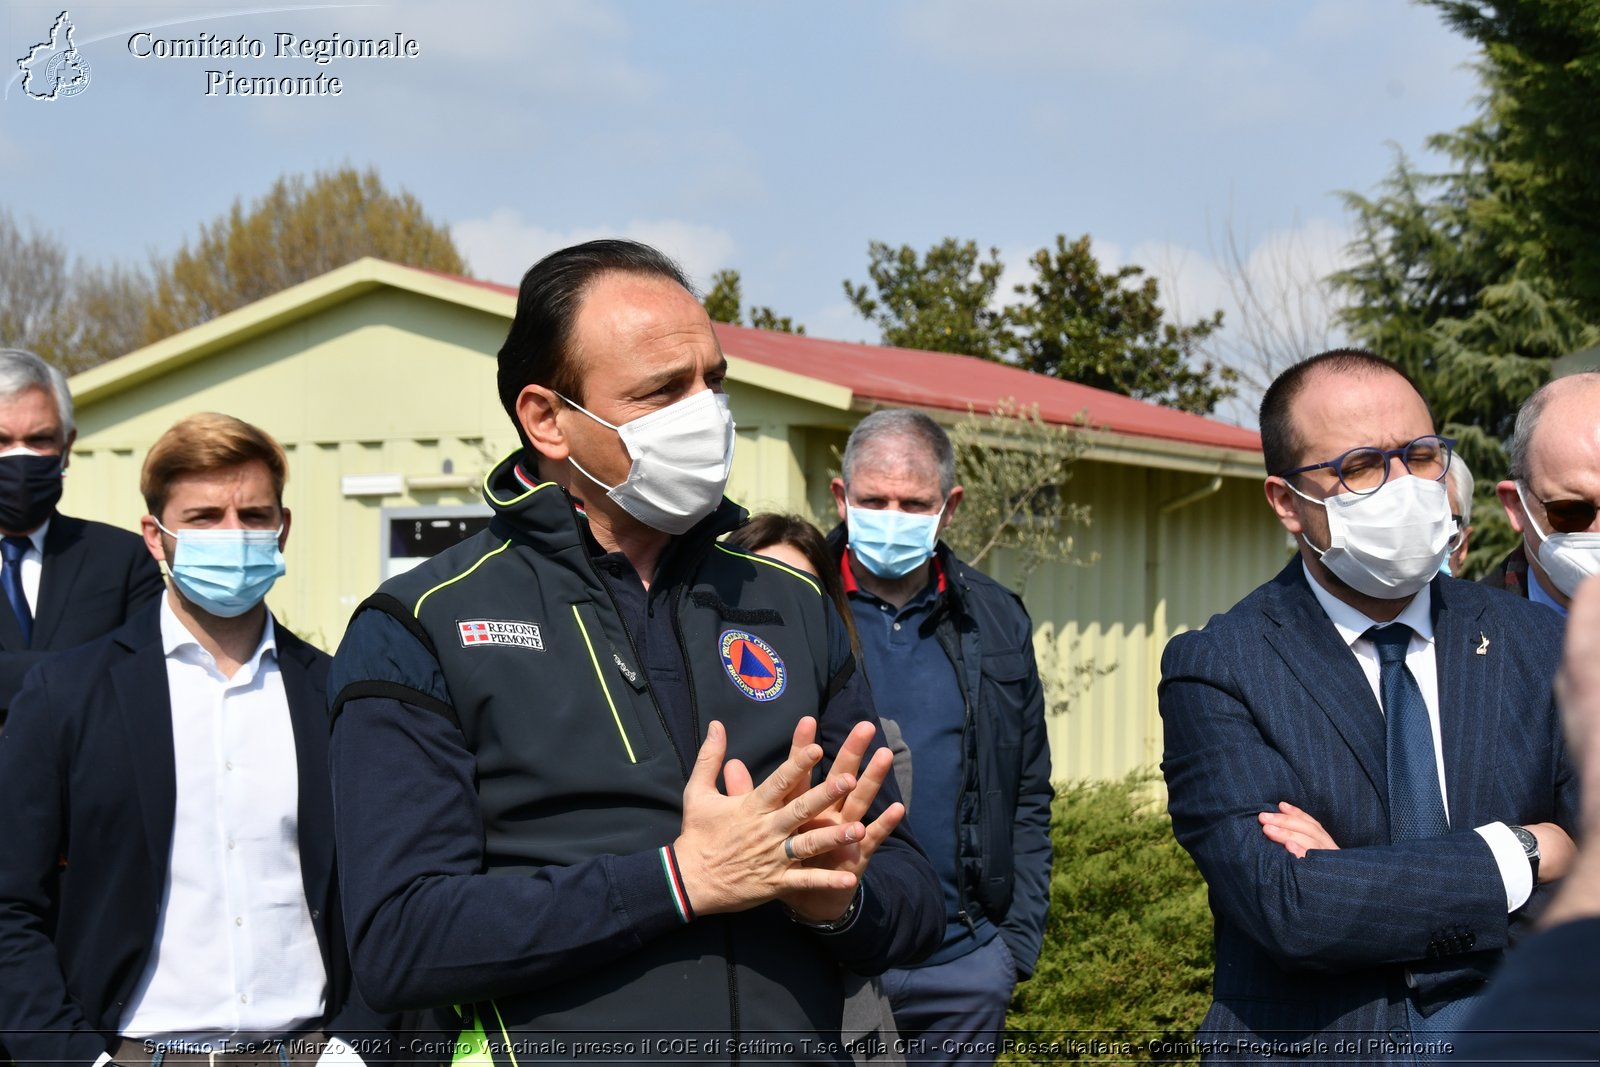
484, 632
753, 665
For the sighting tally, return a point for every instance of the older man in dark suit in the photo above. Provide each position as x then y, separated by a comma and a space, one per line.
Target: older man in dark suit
65, 581
167, 883
1363, 756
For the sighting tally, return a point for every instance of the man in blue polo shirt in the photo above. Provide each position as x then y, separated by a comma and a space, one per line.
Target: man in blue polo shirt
949, 653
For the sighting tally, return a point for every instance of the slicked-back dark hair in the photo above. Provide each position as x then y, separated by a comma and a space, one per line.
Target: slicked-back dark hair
1280, 447
537, 350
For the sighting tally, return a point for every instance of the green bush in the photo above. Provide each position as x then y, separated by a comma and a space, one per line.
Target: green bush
1127, 942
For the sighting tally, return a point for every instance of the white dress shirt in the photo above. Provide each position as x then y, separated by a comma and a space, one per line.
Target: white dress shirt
1352, 625
236, 955
33, 567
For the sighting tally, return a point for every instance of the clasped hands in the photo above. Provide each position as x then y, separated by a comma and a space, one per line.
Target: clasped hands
783, 839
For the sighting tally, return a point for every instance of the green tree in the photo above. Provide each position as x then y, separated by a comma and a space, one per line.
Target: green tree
1015, 468
726, 297
296, 231
940, 302
1476, 278
1542, 69
764, 318
1107, 329
1074, 321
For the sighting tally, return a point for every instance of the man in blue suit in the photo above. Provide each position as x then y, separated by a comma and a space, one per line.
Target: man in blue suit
1363, 756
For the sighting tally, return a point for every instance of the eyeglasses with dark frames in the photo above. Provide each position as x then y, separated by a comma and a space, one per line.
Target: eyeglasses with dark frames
1364, 470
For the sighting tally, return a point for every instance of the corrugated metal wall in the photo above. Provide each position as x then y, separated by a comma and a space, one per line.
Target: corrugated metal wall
1152, 575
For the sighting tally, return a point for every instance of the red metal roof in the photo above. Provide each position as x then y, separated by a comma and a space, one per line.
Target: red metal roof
903, 376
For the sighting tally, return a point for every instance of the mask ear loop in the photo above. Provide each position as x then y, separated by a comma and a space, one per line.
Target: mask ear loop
1323, 504
571, 459
1528, 512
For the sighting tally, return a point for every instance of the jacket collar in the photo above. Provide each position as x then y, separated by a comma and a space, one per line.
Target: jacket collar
550, 520
950, 571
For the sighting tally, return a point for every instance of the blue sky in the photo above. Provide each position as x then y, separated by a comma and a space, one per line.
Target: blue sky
774, 137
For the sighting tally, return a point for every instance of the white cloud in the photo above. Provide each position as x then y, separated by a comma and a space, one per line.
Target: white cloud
502, 246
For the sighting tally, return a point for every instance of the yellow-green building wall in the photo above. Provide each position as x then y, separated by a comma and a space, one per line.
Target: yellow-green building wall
396, 383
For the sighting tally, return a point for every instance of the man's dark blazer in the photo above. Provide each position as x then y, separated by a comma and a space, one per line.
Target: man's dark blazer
1268, 703
94, 578
87, 793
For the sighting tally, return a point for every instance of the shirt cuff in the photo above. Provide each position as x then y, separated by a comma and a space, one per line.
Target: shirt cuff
1515, 871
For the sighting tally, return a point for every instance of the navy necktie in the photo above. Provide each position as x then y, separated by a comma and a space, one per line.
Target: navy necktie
14, 548
1416, 808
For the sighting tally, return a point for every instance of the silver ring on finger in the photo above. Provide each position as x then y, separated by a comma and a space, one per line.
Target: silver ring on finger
788, 849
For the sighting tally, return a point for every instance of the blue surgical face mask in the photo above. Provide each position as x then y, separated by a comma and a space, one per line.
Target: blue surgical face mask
891, 544
225, 572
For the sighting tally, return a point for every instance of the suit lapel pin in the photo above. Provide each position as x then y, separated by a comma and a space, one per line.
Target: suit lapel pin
1483, 648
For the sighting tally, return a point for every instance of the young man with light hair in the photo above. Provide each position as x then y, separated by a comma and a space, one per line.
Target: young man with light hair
167, 885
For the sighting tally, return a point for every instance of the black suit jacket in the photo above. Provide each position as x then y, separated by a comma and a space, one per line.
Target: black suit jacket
87, 794
1267, 703
94, 578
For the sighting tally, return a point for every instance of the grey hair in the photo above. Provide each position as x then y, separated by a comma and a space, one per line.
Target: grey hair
1528, 420
1461, 481
878, 428
21, 371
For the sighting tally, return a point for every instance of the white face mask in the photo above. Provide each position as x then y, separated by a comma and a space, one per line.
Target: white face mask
681, 458
1568, 558
1387, 544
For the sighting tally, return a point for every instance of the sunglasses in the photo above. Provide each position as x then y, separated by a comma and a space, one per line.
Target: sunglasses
1569, 516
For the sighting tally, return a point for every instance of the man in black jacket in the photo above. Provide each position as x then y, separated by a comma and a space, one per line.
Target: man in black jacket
530, 728
167, 884
950, 655
65, 581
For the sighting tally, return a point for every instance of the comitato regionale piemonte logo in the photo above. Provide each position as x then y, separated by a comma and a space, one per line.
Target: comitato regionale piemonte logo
54, 69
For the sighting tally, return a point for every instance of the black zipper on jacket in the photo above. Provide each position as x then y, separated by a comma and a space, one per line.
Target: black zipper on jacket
633, 648
948, 640
694, 718
683, 651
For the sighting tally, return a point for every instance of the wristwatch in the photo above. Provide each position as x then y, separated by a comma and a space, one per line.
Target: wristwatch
1530, 848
